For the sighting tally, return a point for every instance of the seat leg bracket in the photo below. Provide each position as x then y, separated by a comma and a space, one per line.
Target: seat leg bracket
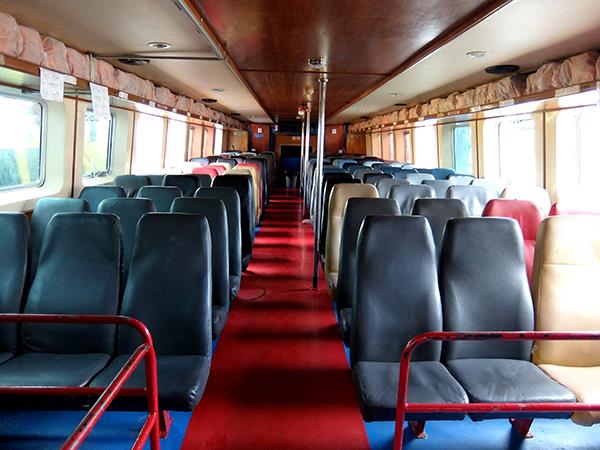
418, 428
522, 427
165, 422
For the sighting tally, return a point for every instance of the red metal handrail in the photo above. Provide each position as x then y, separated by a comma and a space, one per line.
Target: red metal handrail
403, 407
150, 428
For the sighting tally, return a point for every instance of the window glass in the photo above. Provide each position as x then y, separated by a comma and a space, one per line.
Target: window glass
148, 146
462, 148
516, 151
392, 146
176, 140
97, 146
218, 146
426, 152
20, 142
577, 155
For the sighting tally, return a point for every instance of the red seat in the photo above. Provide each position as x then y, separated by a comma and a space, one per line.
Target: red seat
529, 218
573, 209
220, 168
208, 170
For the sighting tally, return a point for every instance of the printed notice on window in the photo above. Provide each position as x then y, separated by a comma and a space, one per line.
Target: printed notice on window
52, 85
100, 102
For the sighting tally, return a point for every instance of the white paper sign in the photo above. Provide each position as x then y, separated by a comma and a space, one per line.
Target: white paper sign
52, 85
100, 102
70, 79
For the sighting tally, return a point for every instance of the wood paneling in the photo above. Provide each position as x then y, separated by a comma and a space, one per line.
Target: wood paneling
334, 139
260, 138
238, 140
365, 42
356, 144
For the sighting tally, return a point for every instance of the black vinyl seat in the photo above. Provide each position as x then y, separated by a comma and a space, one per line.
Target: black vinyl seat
156, 180
475, 197
356, 211
202, 180
78, 273
132, 183
95, 194
397, 298
14, 235
187, 183
129, 211
384, 185
231, 200
173, 303
216, 214
484, 287
372, 178
439, 186
438, 211
43, 212
406, 194
243, 185
161, 196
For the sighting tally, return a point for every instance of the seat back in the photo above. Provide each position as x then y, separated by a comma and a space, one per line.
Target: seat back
329, 181
78, 273
202, 180
527, 216
129, 211
359, 174
156, 180
495, 186
214, 211
417, 178
14, 234
357, 209
221, 169
44, 210
354, 168
131, 183
228, 163
575, 208
402, 173
169, 285
461, 179
161, 196
372, 178
484, 286
475, 197
535, 194
95, 194
231, 200
439, 186
256, 201
565, 288
442, 173
337, 206
206, 170
187, 183
384, 186
406, 194
438, 211
396, 291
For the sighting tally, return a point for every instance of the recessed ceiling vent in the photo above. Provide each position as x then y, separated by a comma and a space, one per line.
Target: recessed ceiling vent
502, 69
365, 117
209, 100
134, 61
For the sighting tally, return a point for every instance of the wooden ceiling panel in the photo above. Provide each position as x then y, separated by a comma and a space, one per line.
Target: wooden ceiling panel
365, 42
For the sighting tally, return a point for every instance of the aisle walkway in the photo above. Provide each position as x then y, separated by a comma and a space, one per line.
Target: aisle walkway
279, 378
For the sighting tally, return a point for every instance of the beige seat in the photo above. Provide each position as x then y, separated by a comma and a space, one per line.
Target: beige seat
566, 271
227, 164
337, 206
534, 194
252, 172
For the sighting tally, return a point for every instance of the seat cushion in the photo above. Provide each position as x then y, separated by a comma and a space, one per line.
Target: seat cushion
219, 318
346, 324
52, 369
583, 381
428, 382
332, 283
508, 381
181, 381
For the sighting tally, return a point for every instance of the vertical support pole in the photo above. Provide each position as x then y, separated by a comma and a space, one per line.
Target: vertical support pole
319, 168
301, 174
307, 194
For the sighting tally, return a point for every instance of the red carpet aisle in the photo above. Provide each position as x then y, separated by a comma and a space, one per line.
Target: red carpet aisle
279, 378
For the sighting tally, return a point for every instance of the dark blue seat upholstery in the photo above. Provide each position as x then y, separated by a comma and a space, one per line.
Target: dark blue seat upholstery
372, 178
132, 183
243, 185
78, 273
129, 211
356, 211
484, 288
397, 298
14, 235
161, 196
384, 186
438, 211
214, 211
231, 200
187, 183
439, 186
441, 173
403, 172
43, 212
406, 194
95, 194
417, 178
173, 303
156, 180
202, 180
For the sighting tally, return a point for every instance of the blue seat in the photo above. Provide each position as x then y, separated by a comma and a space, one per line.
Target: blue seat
156, 180
132, 183
95, 194
406, 194
161, 196
439, 186
475, 197
384, 185
417, 178
441, 173
187, 183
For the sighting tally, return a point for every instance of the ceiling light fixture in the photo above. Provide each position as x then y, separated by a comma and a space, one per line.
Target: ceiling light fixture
209, 100
218, 90
317, 63
159, 45
395, 94
477, 54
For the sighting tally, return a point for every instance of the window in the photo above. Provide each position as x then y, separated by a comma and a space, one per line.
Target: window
148, 144
97, 146
209, 138
392, 146
20, 143
462, 149
218, 146
577, 156
385, 145
176, 140
516, 151
426, 152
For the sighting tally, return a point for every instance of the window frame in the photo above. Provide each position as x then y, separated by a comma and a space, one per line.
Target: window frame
109, 153
43, 130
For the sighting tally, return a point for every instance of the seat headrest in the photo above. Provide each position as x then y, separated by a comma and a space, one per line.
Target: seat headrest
438, 211
524, 212
187, 183
95, 194
343, 191
406, 194
131, 183
162, 196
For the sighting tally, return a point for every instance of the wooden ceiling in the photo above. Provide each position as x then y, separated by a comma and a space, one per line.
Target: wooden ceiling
366, 43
